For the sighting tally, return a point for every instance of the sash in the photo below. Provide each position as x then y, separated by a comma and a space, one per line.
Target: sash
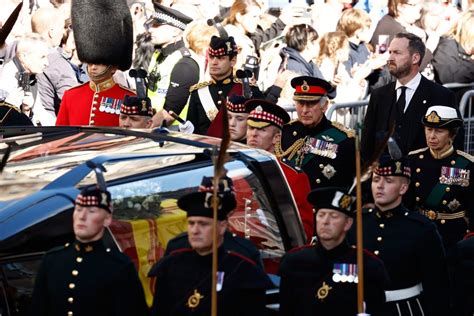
208, 103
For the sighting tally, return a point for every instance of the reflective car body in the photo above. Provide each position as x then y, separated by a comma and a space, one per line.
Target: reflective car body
146, 174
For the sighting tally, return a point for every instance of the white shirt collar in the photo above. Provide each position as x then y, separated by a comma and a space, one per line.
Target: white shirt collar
412, 84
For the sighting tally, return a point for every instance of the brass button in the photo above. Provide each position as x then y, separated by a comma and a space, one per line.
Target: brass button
382, 226
379, 238
70, 300
418, 170
417, 184
95, 102
96, 96
417, 199
445, 202
321, 166
72, 285
69, 314
453, 162
422, 156
92, 114
219, 102
79, 259
295, 133
442, 221
371, 210
94, 108
376, 252
318, 181
448, 189
92, 122
314, 211
75, 272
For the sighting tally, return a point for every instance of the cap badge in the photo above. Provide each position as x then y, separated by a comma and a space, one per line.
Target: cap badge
195, 299
104, 199
345, 201
433, 117
398, 165
305, 86
259, 109
229, 46
323, 291
144, 105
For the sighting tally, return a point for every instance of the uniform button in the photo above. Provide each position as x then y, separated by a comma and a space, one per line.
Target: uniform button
453, 162
72, 285
371, 210
79, 259
70, 300
376, 252
448, 189
94, 108
318, 181
417, 199
69, 314
295, 133
417, 184
219, 102
445, 202
219, 92
422, 156
92, 114
406, 213
314, 211
321, 166
75, 272
382, 226
96, 96
91, 122
442, 221
379, 238
418, 170
95, 102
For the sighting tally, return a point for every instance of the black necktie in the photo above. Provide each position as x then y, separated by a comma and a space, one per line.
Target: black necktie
401, 101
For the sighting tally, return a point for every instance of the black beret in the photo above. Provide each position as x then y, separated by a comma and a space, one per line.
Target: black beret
93, 196
333, 198
390, 167
136, 106
222, 47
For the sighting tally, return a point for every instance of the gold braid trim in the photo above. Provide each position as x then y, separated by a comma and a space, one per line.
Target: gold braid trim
292, 150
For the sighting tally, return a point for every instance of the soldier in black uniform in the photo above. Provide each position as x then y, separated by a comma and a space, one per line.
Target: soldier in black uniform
441, 188
11, 116
135, 112
325, 151
322, 279
463, 277
407, 242
183, 278
206, 97
85, 278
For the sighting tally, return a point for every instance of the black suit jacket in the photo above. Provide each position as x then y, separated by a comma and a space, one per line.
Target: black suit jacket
409, 131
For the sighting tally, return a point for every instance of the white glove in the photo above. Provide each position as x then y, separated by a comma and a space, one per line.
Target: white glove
186, 128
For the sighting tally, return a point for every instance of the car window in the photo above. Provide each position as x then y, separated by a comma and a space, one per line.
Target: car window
146, 215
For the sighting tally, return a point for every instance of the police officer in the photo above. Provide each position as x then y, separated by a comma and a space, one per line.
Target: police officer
265, 122
322, 279
183, 278
311, 144
136, 112
84, 277
407, 242
441, 188
207, 97
173, 68
105, 44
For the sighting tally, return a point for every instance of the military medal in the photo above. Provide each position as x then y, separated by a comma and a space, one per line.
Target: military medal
194, 300
220, 280
352, 273
336, 277
344, 275
454, 176
323, 291
322, 148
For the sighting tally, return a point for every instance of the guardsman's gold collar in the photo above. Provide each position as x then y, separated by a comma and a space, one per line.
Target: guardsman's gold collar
442, 154
104, 85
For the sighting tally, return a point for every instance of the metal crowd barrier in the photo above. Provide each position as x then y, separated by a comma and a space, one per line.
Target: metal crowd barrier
465, 107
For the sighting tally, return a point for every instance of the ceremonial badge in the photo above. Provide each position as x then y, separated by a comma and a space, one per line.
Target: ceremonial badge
453, 205
329, 171
194, 300
323, 291
454, 176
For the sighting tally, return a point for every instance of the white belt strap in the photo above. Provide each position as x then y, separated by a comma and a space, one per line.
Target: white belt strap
403, 294
208, 103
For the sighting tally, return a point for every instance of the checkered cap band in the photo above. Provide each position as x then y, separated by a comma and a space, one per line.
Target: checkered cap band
169, 20
87, 200
240, 108
134, 110
267, 117
391, 171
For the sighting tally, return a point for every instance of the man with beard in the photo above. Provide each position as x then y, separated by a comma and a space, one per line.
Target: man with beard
405, 101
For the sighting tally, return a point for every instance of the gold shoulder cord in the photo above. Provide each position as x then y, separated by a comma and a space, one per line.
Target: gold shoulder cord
291, 151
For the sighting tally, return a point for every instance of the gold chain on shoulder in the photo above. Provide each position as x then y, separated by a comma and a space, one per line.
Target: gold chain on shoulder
291, 151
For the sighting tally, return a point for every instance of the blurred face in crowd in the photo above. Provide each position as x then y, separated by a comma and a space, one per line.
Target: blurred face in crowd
220, 67
387, 191
331, 227
249, 20
35, 59
263, 138
134, 121
237, 125
401, 62
162, 34
410, 12
89, 222
438, 139
200, 233
310, 113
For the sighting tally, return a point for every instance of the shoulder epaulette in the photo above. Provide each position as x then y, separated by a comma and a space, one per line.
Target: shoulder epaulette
181, 250
127, 88
237, 80
296, 249
79, 85
11, 106
200, 85
292, 122
59, 248
417, 151
241, 256
465, 155
349, 132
